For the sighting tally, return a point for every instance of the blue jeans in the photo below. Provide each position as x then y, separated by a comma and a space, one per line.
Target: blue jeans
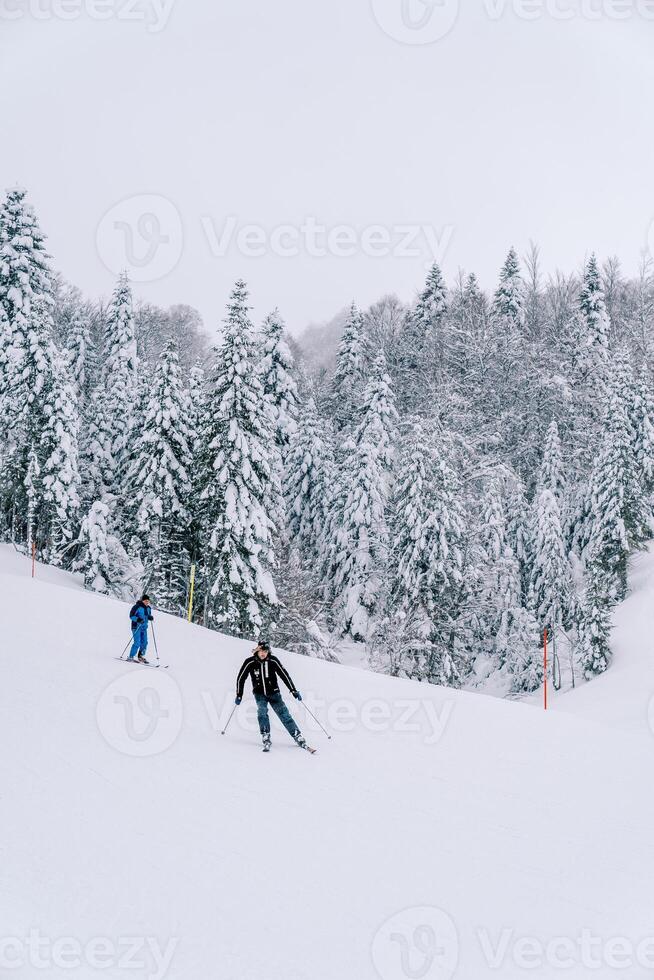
277, 704
140, 643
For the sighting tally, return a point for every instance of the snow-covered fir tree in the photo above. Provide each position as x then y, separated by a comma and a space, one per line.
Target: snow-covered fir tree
347, 383
359, 545
594, 625
239, 492
507, 311
309, 477
112, 409
80, 356
93, 557
422, 346
551, 595
40, 472
551, 476
620, 507
160, 483
595, 317
279, 385
641, 411
415, 639
515, 630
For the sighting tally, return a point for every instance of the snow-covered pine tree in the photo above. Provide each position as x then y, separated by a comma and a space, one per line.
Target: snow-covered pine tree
60, 469
197, 422
467, 360
160, 483
551, 475
80, 356
425, 568
509, 386
25, 278
39, 410
309, 478
422, 346
97, 448
507, 312
595, 317
551, 595
101, 557
239, 490
277, 378
93, 559
589, 369
112, 410
516, 633
620, 507
518, 529
25, 273
493, 532
642, 424
347, 383
507, 639
594, 623
359, 548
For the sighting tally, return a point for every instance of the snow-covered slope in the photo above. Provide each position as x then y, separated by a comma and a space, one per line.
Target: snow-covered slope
434, 836
621, 697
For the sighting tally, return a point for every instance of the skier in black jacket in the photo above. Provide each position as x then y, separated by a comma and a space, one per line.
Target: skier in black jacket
265, 669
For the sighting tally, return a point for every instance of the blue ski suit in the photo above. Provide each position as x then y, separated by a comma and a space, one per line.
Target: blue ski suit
141, 615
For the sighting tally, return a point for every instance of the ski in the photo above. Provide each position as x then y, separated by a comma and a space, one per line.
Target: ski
126, 660
308, 748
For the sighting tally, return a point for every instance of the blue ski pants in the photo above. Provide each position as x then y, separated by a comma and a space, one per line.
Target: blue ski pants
276, 702
140, 643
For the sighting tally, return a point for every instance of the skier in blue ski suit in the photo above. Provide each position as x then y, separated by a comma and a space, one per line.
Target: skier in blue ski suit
140, 615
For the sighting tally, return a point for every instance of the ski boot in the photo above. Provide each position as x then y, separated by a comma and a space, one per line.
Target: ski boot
142, 660
266, 742
302, 742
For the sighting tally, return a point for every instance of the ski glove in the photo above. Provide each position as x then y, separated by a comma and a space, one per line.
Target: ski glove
297, 695
238, 700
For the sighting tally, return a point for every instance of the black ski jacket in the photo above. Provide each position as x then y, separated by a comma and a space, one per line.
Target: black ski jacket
264, 675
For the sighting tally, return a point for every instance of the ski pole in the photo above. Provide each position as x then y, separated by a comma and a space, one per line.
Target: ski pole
316, 720
154, 637
126, 648
229, 719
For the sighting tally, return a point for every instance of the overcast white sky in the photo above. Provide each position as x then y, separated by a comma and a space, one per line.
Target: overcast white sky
235, 113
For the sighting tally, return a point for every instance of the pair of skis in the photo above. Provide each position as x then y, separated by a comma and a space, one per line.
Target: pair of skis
133, 660
308, 748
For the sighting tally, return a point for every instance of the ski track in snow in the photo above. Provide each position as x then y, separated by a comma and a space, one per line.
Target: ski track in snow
286, 868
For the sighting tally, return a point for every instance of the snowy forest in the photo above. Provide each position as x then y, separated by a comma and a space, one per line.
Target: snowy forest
465, 473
